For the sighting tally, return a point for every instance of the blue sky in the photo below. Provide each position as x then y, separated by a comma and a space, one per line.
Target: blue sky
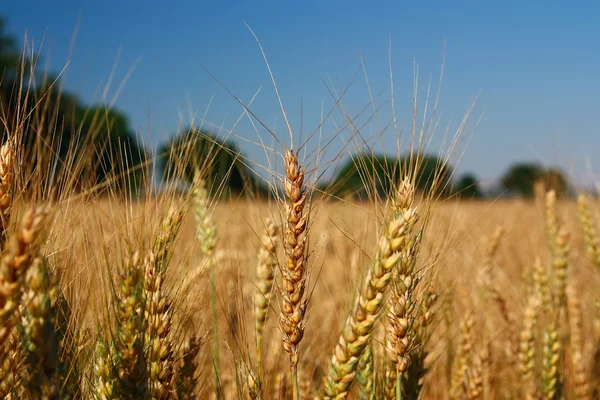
535, 65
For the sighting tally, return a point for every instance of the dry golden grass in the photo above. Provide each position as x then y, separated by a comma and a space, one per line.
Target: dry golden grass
343, 238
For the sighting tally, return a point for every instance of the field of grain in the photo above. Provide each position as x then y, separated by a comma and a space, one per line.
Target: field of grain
274, 287
117, 301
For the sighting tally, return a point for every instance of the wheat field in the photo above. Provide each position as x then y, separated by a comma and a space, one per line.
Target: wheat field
110, 299
183, 293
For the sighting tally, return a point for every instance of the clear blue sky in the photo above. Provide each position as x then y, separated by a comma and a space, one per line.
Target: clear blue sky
536, 63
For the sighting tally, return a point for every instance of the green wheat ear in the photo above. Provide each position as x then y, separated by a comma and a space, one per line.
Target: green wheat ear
207, 237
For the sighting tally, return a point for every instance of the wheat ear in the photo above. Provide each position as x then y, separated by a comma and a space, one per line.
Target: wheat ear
551, 360
417, 368
581, 378
560, 263
526, 355
207, 236
40, 337
103, 376
158, 310
129, 340
6, 187
592, 247
159, 347
360, 324
294, 271
14, 266
475, 378
588, 226
265, 268
399, 332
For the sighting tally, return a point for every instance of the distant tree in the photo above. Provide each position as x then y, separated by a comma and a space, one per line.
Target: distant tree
467, 187
218, 160
9, 55
520, 179
554, 179
367, 175
64, 144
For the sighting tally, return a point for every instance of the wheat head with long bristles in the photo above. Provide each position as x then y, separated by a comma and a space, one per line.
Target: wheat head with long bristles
360, 324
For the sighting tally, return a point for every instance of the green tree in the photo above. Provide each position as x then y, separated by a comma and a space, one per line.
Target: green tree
467, 187
218, 160
520, 179
9, 55
64, 144
367, 175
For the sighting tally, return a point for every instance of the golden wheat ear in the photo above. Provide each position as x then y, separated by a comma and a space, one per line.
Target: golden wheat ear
15, 263
578, 365
526, 356
40, 337
128, 342
159, 310
294, 270
6, 188
393, 243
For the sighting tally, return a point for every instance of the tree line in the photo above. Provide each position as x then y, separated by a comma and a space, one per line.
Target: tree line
93, 146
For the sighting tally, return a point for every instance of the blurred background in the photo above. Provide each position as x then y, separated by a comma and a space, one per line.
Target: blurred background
525, 72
